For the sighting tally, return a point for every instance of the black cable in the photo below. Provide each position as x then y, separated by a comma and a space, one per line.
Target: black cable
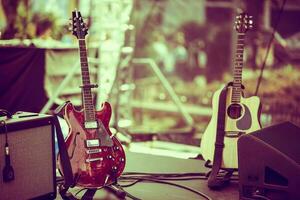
125, 179
8, 170
176, 179
82, 189
118, 191
173, 184
3, 123
136, 177
260, 197
168, 178
165, 174
268, 48
170, 175
5, 130
130, 184
131, 196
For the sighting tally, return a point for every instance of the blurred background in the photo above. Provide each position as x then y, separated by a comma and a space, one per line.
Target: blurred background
158, 62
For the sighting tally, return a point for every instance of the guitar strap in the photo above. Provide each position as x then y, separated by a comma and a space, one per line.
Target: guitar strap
213, 181
64, 158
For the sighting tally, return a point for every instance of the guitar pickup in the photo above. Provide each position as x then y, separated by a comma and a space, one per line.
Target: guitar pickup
93, 151
93, 159
92, 143
91, 125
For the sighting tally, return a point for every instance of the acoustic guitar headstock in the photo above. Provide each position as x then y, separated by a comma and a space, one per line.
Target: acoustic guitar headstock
243, 23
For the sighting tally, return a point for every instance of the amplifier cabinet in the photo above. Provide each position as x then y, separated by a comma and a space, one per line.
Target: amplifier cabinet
31, 146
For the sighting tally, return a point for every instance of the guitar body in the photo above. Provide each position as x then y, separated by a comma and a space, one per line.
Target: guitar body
246, 123
94, 166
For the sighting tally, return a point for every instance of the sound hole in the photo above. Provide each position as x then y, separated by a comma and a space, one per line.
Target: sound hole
234, 111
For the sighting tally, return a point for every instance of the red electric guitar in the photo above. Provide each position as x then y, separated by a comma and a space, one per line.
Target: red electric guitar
97, 157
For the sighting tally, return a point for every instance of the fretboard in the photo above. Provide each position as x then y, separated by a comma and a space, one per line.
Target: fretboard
87, 97
238, 69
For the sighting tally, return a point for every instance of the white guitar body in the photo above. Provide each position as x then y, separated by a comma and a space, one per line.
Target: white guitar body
246, 123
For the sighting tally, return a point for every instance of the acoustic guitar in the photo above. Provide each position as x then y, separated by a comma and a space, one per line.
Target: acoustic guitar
241, 114
97, 157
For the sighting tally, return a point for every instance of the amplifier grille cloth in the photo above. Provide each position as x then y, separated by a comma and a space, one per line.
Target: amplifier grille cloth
31, 158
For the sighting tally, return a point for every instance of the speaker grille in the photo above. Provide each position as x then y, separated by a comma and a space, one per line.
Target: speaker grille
31, 152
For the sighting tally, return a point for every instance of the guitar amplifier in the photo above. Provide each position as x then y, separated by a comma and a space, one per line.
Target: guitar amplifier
30, 138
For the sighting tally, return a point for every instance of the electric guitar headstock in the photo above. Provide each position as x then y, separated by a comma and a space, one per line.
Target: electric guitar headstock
79, 28
243, 23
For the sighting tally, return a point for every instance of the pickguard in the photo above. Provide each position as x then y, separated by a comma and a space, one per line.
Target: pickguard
105, 139
245, 122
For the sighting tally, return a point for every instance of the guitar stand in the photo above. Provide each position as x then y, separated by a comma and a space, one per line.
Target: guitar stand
89, 194
117, 190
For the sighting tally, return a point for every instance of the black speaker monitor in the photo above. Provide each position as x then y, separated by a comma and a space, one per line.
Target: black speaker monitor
269, 163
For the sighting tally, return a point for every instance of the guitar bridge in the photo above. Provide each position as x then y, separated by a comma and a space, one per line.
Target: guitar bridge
93, 151
233, 134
